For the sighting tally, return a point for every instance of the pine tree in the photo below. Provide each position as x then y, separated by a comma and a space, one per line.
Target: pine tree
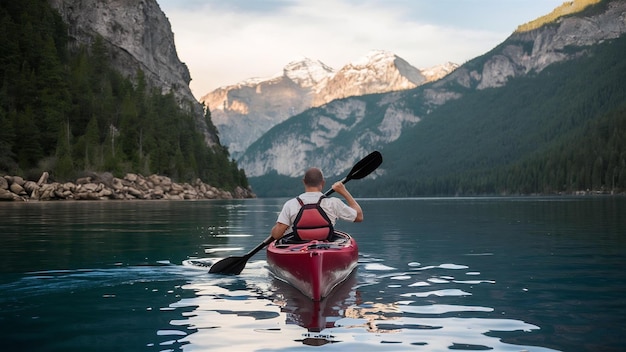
27, 147
64, 166
7, 157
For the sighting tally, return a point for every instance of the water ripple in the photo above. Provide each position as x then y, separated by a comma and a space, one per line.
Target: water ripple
273, 317
380, 307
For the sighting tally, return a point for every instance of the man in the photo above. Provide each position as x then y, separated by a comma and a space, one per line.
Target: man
333, 208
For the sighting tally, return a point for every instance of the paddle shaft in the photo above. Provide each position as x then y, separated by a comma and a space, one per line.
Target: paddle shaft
259, 247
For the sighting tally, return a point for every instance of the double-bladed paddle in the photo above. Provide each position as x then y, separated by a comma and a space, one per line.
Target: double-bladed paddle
234, 265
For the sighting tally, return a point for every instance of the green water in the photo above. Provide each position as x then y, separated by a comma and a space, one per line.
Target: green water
504, 274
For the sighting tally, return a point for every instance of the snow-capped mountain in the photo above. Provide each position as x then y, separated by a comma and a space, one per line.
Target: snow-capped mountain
307, 73
243, 112
378, 72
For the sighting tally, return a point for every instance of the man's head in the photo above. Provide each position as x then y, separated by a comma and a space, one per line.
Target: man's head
313, 178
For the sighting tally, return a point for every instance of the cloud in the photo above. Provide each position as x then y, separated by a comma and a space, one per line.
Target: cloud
224, 42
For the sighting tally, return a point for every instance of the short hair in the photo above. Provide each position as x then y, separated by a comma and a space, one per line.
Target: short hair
313, 177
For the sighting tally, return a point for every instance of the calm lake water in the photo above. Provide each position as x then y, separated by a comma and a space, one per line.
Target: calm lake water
501, 274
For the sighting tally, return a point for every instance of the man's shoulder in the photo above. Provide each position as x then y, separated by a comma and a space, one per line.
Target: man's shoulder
310, 197
334, 200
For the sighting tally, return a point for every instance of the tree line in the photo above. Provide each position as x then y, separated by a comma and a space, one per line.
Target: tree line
68, 111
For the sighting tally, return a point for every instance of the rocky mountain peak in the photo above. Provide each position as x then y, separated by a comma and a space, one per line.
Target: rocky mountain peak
379, 61
377, 72
307, 72
438, 72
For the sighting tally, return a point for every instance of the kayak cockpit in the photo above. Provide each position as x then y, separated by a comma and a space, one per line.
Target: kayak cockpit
339, 239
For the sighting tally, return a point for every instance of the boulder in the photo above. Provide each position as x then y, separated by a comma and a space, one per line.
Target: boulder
20, 181
176, 188
69, 186
105, 193
131, 177
158, 192
87, 196
6, 195
88, 187
135, 192
4, 184
30, 187
155, 179
58, 193
43, 179
165, 182
17, 189
117, 184
46, 192
83, 180
35, 195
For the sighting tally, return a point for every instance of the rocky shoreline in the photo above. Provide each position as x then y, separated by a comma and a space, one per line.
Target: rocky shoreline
106, 187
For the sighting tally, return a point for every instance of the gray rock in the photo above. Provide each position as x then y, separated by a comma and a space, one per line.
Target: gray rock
30, 187
43, 179
6, 195
17, 189
140, 188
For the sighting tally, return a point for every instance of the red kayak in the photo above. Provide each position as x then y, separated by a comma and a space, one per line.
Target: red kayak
313, 267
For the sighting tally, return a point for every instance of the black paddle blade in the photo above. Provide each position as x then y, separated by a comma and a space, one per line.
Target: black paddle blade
229, 266
365, 166
235, 265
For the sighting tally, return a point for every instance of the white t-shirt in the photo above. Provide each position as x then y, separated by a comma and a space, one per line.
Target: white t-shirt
334, 208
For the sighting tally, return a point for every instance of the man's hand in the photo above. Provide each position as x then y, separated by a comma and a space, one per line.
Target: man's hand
340, 188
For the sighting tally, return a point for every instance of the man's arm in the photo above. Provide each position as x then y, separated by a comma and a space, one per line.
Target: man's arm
340, 188
278, 230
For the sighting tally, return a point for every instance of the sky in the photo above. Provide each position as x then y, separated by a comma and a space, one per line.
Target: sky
224, 42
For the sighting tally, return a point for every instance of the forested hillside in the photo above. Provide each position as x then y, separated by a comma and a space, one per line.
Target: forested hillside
563, 130
65, 110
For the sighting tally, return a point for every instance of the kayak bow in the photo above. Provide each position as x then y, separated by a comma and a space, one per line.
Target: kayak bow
313, 267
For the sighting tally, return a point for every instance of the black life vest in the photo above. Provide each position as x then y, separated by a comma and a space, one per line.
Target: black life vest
312, 223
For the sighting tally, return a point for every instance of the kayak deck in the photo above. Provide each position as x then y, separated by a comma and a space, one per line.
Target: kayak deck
313, 267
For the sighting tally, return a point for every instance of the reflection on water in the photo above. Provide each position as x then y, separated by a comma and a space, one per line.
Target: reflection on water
260, 313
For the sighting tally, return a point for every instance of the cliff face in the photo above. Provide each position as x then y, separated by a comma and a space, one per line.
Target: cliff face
527, 51
531, 51
138, 36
